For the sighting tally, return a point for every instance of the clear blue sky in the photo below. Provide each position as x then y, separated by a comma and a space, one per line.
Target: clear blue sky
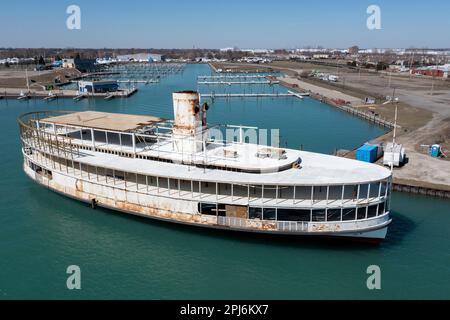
210, 24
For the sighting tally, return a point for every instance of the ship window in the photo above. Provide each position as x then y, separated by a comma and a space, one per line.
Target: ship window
293, 215
119, 175
302, 193
141, 180
320, 193
348, 214
208, 188
240, 190
318, 215
334, 215
270, 192
254, 213
224, 189
221, 210
173, 183
269, 214
362, 213
100, 136
363, 189
185, 186
113, 138
381, 208
255, 191
350, 191
335, 193
285, 192
372, 211
207, 208
383, 188
374, 189
126, 140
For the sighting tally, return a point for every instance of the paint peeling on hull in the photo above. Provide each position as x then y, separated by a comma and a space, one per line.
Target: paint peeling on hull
152, 207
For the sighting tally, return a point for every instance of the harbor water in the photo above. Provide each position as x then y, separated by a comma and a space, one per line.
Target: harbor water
124, 257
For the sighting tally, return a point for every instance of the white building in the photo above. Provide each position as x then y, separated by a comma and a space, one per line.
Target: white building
140, 57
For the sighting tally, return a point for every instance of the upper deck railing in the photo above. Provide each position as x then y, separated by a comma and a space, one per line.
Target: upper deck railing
153, 141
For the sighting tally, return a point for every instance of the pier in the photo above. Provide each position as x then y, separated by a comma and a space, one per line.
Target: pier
238, 82
232, 77
13, 93
253, 95
139, 81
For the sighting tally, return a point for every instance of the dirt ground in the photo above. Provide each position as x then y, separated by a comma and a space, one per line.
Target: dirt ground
37, 79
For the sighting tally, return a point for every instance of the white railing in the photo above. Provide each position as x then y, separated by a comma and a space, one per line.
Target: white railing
287, 226
292, 226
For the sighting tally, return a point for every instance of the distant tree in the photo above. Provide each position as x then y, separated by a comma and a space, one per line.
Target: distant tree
41, 60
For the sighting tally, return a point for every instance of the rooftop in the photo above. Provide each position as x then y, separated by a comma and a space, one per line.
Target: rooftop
104, 120
316, 169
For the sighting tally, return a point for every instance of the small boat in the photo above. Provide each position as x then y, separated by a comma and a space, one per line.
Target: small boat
109, 97
51, 96
23, 96
78, 97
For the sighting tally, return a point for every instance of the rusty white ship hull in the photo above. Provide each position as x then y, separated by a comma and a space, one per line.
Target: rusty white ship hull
126, 163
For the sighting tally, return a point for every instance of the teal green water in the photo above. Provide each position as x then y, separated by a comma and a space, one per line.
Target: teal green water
41, 233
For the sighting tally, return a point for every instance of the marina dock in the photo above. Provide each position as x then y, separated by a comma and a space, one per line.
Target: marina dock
215, 77
237, 82
66, 93
253, 95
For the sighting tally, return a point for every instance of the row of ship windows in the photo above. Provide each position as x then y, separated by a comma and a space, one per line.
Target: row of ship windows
280, 214
305, 215
315, 193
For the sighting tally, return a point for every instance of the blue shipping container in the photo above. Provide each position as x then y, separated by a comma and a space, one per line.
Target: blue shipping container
367, 153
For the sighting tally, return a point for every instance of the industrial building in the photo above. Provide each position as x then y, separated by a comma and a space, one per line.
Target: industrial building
433, 71
141, 57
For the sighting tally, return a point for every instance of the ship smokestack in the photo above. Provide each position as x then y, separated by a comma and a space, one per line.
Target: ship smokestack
188, 124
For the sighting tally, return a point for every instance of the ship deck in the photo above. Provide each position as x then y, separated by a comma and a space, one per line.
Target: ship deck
316, 170
161, 160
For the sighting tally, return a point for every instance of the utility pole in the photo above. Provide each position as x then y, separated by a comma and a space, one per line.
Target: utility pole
395, 131
28, 83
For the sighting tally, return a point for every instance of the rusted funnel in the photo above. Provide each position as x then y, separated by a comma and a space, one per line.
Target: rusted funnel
187, 128
186, 109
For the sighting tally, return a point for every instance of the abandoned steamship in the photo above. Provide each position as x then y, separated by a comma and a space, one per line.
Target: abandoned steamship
175, 171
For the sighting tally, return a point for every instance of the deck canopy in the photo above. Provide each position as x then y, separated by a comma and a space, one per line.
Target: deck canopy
104, 120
